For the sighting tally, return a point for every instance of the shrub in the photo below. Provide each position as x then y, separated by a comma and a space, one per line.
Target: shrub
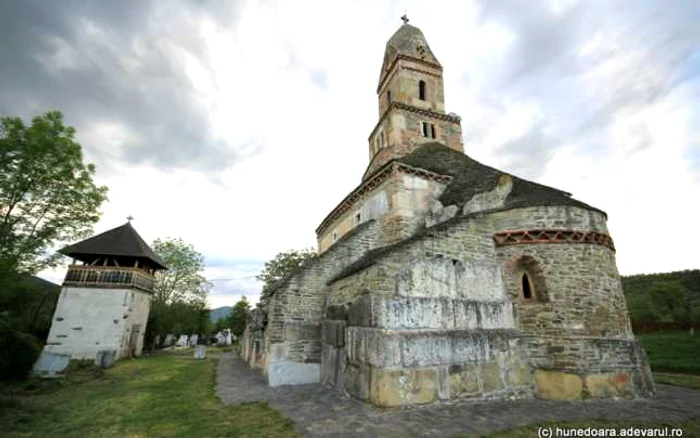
18, 352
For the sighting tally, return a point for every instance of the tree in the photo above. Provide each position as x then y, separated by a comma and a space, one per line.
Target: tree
180, 293
47, 193
283, 265
183, 281
239, 316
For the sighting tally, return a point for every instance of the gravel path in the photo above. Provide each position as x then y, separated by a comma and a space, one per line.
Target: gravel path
323, 412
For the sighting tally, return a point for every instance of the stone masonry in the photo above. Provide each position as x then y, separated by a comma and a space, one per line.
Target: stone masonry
439, 278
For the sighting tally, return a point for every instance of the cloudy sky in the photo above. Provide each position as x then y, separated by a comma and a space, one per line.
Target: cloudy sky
238, 125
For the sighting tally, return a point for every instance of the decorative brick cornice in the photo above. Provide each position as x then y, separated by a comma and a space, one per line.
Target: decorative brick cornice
407, 58
372, 183
550, 235
413, 109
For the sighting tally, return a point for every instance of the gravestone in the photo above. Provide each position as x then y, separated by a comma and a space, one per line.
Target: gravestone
168, 341
182, 341
193, 340
200, 352
105, 358
156, 342
50, 364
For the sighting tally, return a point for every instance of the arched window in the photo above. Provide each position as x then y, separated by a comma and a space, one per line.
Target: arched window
421, 90
527, 287
528, 280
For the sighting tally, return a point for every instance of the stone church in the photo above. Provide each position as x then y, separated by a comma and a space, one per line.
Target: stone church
440, 278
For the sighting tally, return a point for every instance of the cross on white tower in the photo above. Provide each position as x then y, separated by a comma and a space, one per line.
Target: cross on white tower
404, 18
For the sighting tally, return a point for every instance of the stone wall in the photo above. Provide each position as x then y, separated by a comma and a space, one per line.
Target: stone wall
88, 320
295, 311
415, 324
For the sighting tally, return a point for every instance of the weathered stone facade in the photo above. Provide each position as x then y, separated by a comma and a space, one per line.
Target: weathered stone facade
463, 281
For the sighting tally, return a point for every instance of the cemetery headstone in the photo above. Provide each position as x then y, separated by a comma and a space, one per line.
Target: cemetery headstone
200, 352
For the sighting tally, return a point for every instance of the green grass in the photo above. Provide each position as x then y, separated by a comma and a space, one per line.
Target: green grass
672, 351
686, 380
159, 396
690, 428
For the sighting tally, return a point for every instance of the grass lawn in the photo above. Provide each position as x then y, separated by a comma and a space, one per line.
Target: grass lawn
672, 351
159, 396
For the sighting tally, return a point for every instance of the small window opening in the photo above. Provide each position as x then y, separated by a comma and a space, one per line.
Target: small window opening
421, 90
334, 236
358, 217
428, 130
527, 287
388, 97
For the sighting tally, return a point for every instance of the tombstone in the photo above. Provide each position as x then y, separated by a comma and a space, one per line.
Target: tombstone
105, 358
156, 342
182, 341
223, 338
50, 364
193, 340
168, 341
200, 352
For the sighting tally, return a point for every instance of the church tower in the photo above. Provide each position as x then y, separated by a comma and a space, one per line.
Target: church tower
106, 294
411, 101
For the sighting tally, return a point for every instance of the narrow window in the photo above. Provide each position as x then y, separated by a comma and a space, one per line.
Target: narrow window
425, 129
388, 97
527, 287
358, 217
421, 90
432, 131
335, 235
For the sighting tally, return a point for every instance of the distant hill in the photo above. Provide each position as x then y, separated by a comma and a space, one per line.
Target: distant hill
658, 301
219, 313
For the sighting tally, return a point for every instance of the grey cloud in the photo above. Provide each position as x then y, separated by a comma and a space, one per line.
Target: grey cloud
129, 73
544, 65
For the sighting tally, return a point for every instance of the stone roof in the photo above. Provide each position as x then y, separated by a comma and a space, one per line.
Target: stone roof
469, 177
407, 41
122, 241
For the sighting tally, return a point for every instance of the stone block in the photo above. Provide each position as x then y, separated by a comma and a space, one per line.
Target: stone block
105, 358
301, 331
605, 385
200, 352
415, 313
464, 380
556, 385
293, 373
519, 374
50, 364
357, 380
491, 377
443, 380
403, 387
360, 313
333, 333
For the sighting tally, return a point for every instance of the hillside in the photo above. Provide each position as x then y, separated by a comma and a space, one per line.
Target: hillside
658, 301
219, 313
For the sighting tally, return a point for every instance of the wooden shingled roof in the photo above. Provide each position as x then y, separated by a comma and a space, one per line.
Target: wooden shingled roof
122, 241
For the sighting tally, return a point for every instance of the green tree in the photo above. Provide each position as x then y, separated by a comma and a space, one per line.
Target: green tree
180, 293
184, 280
47, 192
283, 265
239, 316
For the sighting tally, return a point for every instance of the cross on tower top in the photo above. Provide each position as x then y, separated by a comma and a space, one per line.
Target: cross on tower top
404, 18
130, 218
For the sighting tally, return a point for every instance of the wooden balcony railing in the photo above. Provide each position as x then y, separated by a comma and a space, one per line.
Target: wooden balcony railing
108, 277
